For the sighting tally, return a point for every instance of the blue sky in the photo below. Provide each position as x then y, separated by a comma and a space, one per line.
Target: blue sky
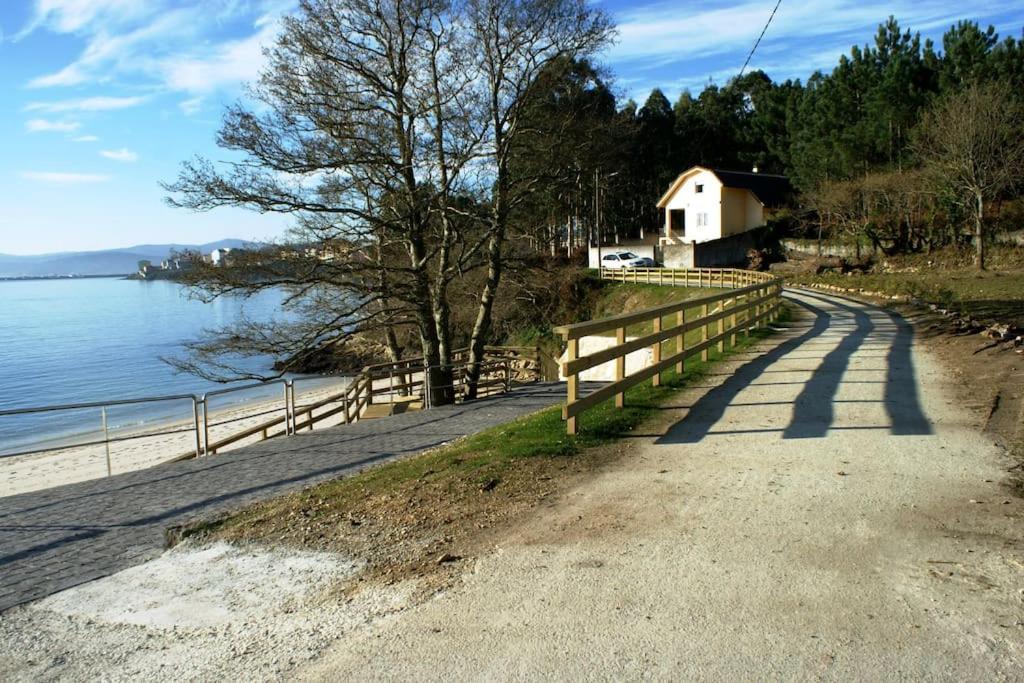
104, 98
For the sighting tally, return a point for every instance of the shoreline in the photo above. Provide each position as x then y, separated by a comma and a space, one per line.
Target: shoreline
140, 447
30, 278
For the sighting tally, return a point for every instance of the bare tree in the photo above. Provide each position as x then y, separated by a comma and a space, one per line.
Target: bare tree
386, 128
518, 40
358, 135
972, 141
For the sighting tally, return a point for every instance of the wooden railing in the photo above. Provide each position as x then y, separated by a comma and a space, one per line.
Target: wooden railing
730, 278
751, 299
503, 367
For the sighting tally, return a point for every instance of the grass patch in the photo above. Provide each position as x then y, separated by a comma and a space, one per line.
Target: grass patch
398, 515
613, 299
416, 517
628, 297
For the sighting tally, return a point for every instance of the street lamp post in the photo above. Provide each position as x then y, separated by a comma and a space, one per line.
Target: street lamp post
597, 210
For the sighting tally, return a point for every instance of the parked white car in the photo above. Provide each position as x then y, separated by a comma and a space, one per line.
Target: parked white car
625, 259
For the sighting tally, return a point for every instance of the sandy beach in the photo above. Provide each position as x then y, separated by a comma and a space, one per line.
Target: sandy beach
37, 471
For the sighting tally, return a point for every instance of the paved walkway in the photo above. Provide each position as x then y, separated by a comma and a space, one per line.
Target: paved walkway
824, 510
54, 539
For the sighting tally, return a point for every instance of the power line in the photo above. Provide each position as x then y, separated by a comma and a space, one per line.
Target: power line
758, 41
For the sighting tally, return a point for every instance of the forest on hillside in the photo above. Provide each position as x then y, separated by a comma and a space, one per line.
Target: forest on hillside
861, 143
441, 161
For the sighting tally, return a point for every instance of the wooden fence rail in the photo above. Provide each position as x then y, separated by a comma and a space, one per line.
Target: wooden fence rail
751, 300
502, 367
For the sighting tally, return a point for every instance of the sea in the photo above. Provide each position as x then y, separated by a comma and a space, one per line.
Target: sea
81, 340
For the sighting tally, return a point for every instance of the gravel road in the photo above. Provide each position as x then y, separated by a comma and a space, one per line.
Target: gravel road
827, 512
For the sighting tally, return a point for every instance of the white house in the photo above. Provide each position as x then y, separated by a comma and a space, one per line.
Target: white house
705, 204
219, 256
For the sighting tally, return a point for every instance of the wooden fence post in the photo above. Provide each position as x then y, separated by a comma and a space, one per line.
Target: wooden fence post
656, 352
573, 387
721, 326
620, 366
757, 310
704, 331
732, 321
746, 315
681, 341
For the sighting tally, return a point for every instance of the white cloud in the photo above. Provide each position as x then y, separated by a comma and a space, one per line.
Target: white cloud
174, 46
128, 52
667, 32
677, 46
64, 178
69, 16
124, 155
46, 126
86, 104
230, 64
85, 138
69, 75
191, 106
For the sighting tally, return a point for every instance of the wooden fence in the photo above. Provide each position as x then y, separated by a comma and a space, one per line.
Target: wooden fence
404, 381
751, 299
502, 368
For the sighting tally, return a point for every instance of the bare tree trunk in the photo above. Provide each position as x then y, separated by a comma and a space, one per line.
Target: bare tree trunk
445, 375
441, 305
441, 392
482, 325
979, 233
394, 355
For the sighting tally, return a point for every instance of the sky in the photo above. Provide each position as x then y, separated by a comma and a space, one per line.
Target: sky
103, 99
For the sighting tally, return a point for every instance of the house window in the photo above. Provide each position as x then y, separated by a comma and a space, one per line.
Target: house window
700, 188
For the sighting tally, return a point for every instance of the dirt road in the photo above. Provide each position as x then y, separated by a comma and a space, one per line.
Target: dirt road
828, 511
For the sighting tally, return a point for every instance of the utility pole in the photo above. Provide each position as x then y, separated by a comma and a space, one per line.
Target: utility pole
597, 215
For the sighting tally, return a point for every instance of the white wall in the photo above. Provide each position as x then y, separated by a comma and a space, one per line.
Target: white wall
635, 362
709, 202
729, 211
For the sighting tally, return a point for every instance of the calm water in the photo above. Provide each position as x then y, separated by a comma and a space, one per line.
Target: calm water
71, 341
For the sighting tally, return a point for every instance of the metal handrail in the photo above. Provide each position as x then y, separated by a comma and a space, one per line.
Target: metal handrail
231, 390
107, 440
95, 404
358, 393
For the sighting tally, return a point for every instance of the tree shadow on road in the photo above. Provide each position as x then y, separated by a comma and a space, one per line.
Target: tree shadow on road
813, 409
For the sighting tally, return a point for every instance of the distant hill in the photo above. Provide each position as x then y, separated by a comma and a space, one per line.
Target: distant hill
105, 262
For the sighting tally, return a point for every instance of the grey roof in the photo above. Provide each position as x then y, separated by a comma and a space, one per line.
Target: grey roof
771, 190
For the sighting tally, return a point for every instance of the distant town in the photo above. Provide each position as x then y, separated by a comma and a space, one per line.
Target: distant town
115, 262
174, 267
